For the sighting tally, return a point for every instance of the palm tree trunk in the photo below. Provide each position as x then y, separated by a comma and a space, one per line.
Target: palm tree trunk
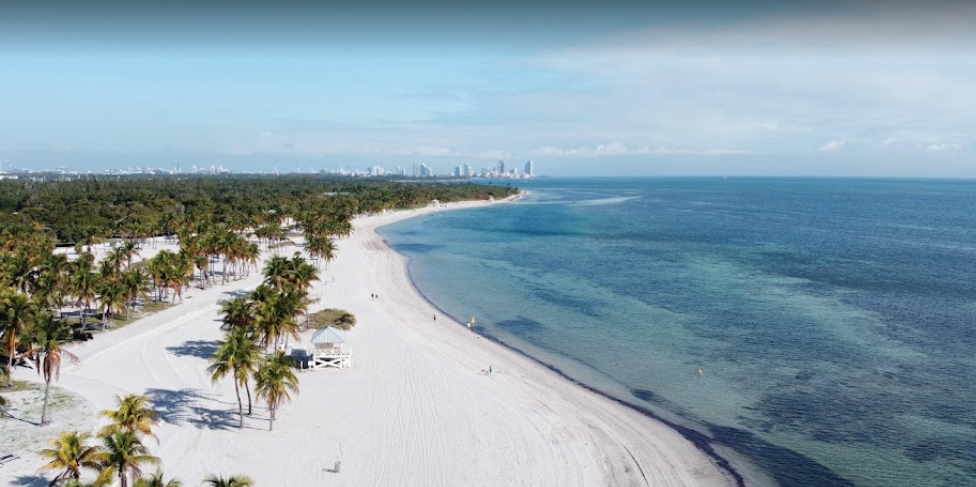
123, 481
47, 394
247, 388
271, 425
10, 364
240, 405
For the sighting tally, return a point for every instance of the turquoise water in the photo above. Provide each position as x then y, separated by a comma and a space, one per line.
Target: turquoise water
834, 320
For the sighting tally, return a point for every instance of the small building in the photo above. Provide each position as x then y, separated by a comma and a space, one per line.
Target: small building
327, 350
435, 203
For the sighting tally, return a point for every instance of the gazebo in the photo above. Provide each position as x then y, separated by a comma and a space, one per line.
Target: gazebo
328, 350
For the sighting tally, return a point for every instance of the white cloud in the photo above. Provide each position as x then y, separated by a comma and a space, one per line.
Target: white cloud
620, 149
941, 147
833, 145
773, 84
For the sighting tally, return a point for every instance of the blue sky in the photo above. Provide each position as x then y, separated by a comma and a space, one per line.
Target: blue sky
751, 88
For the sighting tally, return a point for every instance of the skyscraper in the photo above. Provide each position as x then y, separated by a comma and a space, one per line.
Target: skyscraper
501, 167
529, 168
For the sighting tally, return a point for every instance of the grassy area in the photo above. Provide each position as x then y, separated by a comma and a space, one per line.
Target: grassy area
141, 312
18, 386
66, 411
336, 318
120, 320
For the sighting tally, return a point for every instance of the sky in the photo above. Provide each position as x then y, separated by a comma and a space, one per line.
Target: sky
582, 88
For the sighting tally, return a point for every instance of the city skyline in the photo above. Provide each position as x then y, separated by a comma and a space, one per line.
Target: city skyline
419, 170
755, 88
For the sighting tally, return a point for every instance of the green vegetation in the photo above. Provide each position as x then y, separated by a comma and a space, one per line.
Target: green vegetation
275, 380
336, 318
120, 455
238, 355
93, 209
260, 320
231, 481
214, 220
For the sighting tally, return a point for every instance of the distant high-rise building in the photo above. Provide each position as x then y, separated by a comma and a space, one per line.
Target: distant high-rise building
467, 170
530, 168
426, 171
501, 167
457, 171
416, 168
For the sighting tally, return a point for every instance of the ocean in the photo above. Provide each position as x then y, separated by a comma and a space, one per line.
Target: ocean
833, 320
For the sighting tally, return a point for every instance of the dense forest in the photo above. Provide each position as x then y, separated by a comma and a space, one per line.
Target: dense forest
79, 211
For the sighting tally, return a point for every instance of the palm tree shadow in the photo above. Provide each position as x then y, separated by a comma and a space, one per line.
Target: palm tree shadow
194, 348
29, 481
6, 415
190, 406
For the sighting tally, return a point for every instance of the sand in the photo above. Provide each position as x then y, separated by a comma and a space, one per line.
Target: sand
417, 408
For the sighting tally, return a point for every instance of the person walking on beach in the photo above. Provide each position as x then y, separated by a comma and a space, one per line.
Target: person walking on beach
490, 370
435, 317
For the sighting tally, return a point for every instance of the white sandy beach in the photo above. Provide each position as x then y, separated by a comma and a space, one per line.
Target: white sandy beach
416, 408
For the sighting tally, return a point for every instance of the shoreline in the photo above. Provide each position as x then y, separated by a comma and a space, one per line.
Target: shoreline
417, 408
701, 441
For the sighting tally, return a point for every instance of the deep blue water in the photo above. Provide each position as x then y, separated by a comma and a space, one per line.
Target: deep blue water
834, 320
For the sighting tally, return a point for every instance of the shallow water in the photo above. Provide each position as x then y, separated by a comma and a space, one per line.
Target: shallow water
834, 320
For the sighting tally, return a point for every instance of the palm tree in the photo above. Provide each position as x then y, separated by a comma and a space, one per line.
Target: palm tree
321, 247
83, 286
135, 282
276, 317
134, 413
45, 337
238, 313
104, 480
47, 290
17, 270
250, 256
113, 261
302, 273
124, 454
274, 379
17, 312
4, 373
232, 481
128, 250
238, 355
69, 453
276, 272
156, 480
112, 298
